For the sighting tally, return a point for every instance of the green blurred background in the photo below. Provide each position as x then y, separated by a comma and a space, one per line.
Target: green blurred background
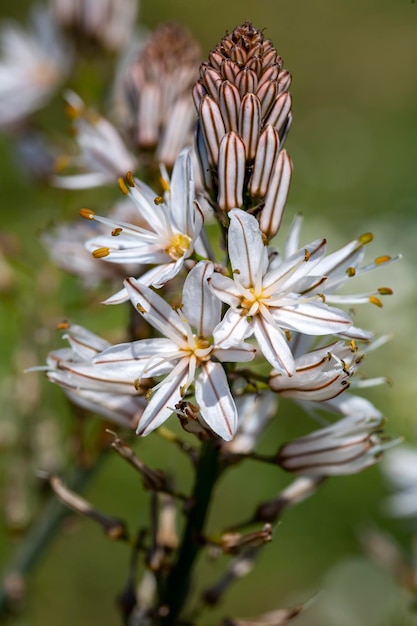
354, 147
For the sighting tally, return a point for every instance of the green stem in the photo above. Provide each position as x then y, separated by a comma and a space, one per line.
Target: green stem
42, 533
178, 581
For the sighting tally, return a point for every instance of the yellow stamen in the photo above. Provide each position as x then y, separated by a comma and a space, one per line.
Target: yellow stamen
116, 231
385, 291
158, 200
288, 335
63, 325
129, 179
100, 253
353, 346
72, 111
165, 184
306, 255
88, 214
376, 301
178, 246
351, 271
366, 238
122, 186
382, 259
140, 308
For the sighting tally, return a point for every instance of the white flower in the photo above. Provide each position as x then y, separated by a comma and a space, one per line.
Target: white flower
265, 301
400, 469
346, 447
255, 413
336, 269
192, 350
66, 247
108, 21
319, 375
102, 150
167, 236
32, 65
100, 388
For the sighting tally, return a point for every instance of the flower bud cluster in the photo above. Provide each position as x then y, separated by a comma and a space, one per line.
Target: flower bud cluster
244, 111
155, 92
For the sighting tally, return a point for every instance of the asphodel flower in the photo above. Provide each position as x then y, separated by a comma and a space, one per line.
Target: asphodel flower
33, 64
400, 470
166, 230
153, 96
346, 447
66, 246
101, 387
319, 375
107, 22
103, 156
191, 350
266, 301
244, 113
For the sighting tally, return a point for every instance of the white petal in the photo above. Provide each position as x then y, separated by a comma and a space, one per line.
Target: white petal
163, 401
225, 289
200, 306
246, 249
233, 329
215, 400
182, 193
156, 311
312, 318
273, 345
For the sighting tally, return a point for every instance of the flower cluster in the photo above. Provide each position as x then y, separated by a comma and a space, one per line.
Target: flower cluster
281, 310
223, 324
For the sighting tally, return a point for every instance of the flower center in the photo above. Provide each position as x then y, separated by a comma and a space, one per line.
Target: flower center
251, 301
178, 246
201, 349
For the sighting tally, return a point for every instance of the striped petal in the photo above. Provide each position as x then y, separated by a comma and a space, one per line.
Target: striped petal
215, 400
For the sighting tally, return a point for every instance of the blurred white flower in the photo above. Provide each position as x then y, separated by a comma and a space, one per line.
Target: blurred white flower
153, 94
33, 64
66, 246
109, 22
400, 470
345, 447
100, 388
103, 154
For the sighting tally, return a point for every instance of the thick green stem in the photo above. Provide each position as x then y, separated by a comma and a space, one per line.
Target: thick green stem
178, 582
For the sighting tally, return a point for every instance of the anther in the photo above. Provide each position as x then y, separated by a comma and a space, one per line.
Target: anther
88, 214
116, 231
140, 308
63, 325
385, 291
100, 253
353, 346
376, 301
129, 179
158, 200
351, 271
122, 186
366, 238
382, 259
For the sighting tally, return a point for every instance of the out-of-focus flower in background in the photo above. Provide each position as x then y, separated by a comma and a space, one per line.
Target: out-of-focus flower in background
109, 23
33, 63
153, 93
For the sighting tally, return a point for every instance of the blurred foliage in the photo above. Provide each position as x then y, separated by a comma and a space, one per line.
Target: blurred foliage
354, 146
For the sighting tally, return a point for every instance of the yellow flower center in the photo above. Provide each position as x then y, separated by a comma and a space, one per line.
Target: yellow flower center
178, 246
